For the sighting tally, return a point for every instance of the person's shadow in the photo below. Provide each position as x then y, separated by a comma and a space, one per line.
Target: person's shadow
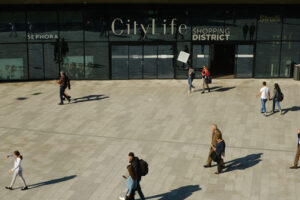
50, 182
294, 108
89, 98
243, 163
177, 194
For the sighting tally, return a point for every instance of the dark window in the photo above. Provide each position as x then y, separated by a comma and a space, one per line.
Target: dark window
13, 62
42, 26
71, 25
290, 55
267, 59
12, 27
96, 60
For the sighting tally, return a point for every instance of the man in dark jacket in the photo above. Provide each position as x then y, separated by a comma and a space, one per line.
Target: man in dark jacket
135, 163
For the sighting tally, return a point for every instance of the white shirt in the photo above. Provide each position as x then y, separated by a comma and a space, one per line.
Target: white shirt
264, 92
17, 164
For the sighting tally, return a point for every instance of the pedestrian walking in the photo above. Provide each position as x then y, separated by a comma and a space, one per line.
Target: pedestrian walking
17, 170
131, 184
295, 166
215, 134
137, 169
191, 76
264, 94
277, 97
218, 153
63, 83
205, 78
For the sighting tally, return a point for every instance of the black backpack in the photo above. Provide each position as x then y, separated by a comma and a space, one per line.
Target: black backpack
143, 167
280, 96
67, 82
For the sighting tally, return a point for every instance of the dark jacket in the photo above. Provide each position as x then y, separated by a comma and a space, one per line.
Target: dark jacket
220, 148
135, 163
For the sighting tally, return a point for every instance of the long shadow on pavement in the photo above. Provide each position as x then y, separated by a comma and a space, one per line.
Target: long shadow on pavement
294, 108
243, 163
217, 89
90, 98
50, 182
177, 194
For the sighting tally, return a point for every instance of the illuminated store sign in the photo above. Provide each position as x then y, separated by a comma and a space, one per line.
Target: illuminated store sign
210, 34
132, 27
45, 36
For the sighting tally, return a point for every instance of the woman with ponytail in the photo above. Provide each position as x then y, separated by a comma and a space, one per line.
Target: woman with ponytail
16, 170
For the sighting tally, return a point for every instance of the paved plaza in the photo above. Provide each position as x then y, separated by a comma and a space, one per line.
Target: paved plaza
79, 151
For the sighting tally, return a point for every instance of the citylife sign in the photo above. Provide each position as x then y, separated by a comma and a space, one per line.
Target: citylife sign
210, 34
148, 28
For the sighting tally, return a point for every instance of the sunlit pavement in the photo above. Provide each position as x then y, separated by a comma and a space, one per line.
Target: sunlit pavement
79, 150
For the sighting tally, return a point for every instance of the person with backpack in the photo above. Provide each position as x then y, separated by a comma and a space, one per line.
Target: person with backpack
277, 97
16, 170
131, 184
191, 76
205, 78
63, 85
140, 168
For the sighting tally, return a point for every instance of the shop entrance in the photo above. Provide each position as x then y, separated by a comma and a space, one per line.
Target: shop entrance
223, 61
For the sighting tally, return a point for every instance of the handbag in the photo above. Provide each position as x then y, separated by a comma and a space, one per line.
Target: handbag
215, 156
208, 79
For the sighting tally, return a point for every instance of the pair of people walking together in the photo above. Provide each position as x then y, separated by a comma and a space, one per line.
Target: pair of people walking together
277, 97
206, 79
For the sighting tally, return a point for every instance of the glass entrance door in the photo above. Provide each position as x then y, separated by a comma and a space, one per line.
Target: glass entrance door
244, 57
200, 58
142, 61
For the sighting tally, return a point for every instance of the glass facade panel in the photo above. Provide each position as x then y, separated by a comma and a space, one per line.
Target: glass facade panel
135, 62
96, 60
42, 26
290, 55
96, 26
269, 24
267, 59
150, 62
51, 61
73, 61
242, 24
119, 62
13, 62
165, 61
12, 26
71, 25
244, 61
180, 67
36, 61
201, 57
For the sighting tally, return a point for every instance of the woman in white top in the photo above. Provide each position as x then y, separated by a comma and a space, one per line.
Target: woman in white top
17, 170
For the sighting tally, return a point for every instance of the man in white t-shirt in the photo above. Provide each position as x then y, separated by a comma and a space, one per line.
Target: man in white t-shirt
264, 94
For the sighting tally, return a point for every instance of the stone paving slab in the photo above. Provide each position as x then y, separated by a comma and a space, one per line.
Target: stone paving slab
79, 151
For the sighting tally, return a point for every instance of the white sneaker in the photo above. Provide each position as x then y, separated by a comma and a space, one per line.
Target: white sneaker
121, 198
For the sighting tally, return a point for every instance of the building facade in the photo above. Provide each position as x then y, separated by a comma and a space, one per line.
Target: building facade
143, 41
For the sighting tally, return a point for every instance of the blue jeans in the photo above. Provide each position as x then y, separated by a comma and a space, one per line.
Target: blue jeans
61, 93
190, 80
275, 101
139, 190
263, 103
